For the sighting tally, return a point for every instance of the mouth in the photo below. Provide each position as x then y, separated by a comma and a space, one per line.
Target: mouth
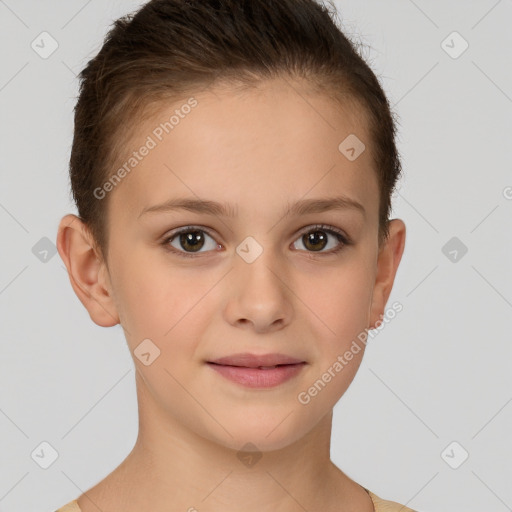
249, 360
256, 367
258, 371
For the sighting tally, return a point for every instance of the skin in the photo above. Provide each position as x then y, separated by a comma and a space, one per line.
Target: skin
259, 150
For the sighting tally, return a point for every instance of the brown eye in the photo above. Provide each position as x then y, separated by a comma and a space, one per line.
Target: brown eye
191, 240
315, 241
318, 238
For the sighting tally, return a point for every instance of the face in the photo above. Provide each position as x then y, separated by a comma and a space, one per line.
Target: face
271, 272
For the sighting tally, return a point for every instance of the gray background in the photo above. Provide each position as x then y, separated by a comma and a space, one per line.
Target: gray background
438, 373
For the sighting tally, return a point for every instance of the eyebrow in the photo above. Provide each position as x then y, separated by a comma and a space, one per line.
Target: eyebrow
302, 207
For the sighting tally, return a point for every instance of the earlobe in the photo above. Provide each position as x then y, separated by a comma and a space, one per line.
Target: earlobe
387, 266
86, 270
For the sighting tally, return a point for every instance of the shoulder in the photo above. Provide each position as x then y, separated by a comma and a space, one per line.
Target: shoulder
379, 504
387, 506
72, 506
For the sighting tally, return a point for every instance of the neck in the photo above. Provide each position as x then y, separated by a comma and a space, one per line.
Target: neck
170, 464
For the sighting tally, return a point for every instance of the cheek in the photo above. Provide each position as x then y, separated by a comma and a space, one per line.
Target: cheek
338, 301
163, 303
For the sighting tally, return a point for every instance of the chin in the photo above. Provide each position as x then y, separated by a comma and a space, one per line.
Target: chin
259, 435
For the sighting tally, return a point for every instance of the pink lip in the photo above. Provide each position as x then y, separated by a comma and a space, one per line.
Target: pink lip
245, 369
257, 377
253, 360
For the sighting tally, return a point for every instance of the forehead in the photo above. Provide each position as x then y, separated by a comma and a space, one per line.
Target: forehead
279, 141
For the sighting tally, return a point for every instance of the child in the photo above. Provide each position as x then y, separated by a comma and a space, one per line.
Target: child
233, 164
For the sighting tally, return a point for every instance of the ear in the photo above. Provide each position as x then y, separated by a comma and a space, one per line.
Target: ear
388, 260
87, 271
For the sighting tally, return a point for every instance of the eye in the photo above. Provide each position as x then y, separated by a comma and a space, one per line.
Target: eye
189, 241
316, 238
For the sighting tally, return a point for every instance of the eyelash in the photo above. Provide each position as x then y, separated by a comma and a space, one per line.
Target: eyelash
345, 241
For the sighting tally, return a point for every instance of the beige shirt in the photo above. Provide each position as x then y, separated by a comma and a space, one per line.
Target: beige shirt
379, 505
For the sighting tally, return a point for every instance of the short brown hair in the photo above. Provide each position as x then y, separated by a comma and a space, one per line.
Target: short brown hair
172, 47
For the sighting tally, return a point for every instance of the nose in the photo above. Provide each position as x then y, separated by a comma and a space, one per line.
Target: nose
259, 296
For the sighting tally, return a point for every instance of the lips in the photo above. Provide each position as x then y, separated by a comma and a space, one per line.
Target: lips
264, 361
258, 371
